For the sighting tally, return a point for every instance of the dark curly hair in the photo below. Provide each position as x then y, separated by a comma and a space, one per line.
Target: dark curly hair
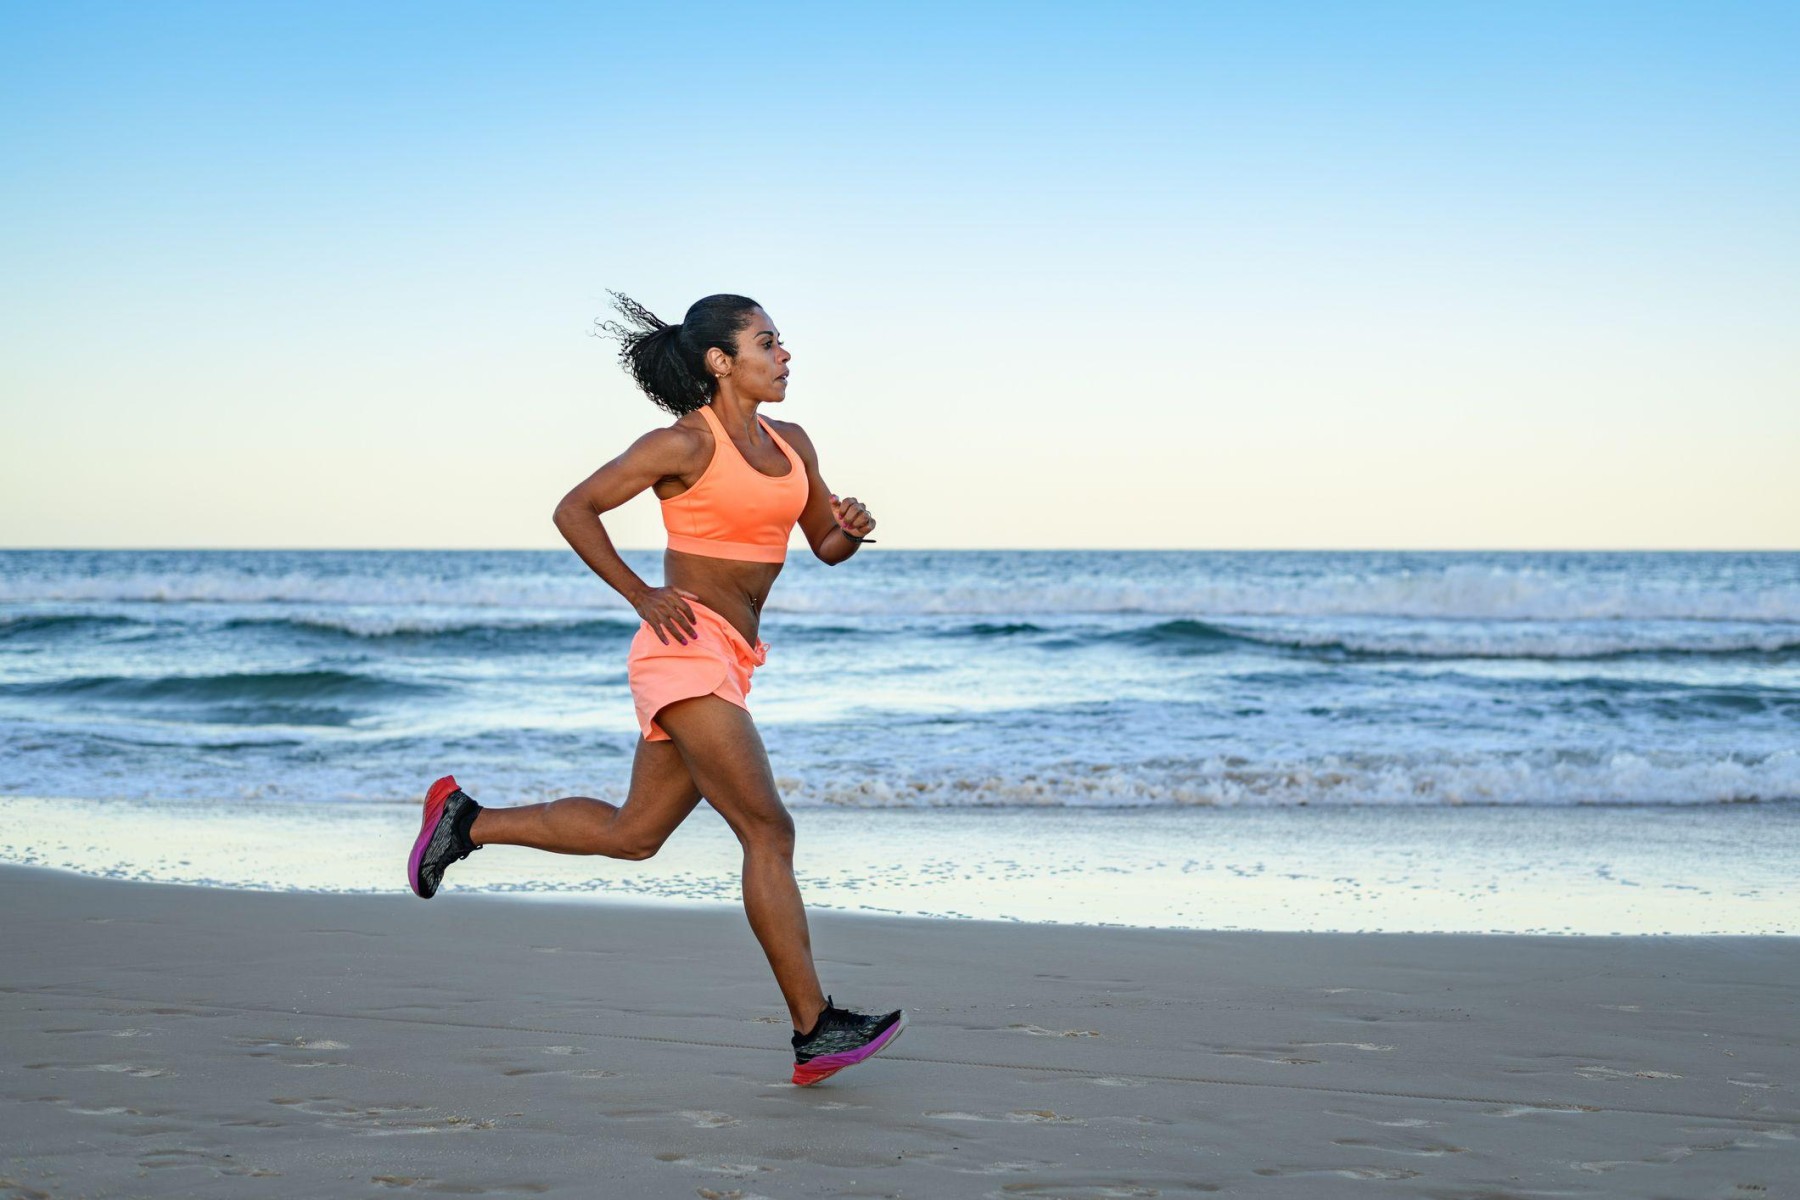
669, 361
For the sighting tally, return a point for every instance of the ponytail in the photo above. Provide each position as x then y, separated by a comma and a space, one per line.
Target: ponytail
669, 361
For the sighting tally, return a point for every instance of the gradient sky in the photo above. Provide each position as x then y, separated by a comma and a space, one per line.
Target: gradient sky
1186, 275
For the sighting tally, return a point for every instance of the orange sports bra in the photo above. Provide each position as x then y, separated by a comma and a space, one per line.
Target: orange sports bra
734, 510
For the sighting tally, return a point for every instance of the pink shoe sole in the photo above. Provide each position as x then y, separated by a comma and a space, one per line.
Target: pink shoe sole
434, 808
827, 1065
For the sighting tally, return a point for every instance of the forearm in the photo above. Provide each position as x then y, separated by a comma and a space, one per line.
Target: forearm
581, 528
837, 546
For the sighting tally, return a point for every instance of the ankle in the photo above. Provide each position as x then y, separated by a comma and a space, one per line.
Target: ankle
807, 1029
464, 828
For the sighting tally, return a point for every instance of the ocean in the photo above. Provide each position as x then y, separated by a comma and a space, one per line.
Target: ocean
923, 690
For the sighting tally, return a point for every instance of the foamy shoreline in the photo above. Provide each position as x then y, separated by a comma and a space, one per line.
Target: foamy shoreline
166, 1040
1691, 870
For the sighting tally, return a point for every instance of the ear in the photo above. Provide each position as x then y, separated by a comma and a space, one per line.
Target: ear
717, 361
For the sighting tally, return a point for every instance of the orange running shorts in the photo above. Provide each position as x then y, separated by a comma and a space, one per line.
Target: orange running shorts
717, 661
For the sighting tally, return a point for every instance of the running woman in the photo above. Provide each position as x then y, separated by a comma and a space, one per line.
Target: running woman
732, 485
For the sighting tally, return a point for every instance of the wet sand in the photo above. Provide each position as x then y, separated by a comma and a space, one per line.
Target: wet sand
175, 1041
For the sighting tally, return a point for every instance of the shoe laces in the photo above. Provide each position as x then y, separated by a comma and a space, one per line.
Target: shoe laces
832, 1018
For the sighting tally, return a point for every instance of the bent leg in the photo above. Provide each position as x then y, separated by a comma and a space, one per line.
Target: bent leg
662, 794
726, 759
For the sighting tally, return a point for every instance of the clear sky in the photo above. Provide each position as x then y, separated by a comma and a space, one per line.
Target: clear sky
1054, 275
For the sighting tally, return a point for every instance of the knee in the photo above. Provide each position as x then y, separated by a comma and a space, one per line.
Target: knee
768, 833
637, 847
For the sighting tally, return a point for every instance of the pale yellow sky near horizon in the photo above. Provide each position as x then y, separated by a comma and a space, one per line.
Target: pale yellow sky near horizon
988, 431
1478, 277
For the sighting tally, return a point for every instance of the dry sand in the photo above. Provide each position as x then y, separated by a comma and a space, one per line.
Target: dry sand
175, 1041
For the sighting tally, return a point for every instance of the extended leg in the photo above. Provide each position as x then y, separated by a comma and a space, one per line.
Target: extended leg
726, 759
662, 794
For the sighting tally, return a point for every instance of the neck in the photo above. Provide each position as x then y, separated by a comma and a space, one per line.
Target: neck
734, 412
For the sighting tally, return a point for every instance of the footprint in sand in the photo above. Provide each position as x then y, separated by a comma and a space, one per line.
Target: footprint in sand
1040, 1031
1343, 1172
1752, 1079
1270, 1056
1069, 1190
1599, 1072
716, 1166
135, 1070
1019, 1116
1675, 1154
591, 1073
1423, 1151
994, 1168
217, 1163
298, 1043
110, 1110
379, 1120
1529, 1110
1396, 1123
426, 1183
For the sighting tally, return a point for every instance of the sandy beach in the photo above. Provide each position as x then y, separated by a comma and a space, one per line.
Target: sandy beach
177, 1041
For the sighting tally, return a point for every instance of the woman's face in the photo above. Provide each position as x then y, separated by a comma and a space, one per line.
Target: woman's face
760, 370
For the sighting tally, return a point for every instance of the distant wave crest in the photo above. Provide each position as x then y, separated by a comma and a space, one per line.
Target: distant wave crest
1455, 592
239, 686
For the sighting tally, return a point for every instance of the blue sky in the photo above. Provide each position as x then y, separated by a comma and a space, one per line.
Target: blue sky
1430, 275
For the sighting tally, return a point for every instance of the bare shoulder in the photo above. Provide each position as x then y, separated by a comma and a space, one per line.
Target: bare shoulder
673, 449
795, 437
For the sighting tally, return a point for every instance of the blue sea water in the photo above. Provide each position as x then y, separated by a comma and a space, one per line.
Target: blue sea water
1525, 742
923, 679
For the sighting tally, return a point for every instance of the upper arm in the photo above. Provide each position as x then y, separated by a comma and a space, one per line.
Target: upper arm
816, 520
660, 453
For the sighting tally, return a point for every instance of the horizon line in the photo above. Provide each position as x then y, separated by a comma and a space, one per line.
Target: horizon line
935, 549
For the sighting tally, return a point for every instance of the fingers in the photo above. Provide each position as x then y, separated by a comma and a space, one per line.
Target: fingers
853, 516
673, 618
683, 610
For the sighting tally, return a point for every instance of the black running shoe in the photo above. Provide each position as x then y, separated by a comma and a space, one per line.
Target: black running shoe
842, 1039
443, 836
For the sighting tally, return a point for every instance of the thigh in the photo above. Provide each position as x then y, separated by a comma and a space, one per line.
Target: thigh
726, 759
662, 793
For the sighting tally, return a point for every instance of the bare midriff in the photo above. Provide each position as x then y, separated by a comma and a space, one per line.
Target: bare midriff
735, 590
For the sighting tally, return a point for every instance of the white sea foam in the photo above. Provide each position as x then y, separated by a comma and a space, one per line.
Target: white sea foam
362, 772
1527, 639
1435, 781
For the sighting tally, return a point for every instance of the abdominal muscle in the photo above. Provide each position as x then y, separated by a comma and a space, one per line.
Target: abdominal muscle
735, 590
